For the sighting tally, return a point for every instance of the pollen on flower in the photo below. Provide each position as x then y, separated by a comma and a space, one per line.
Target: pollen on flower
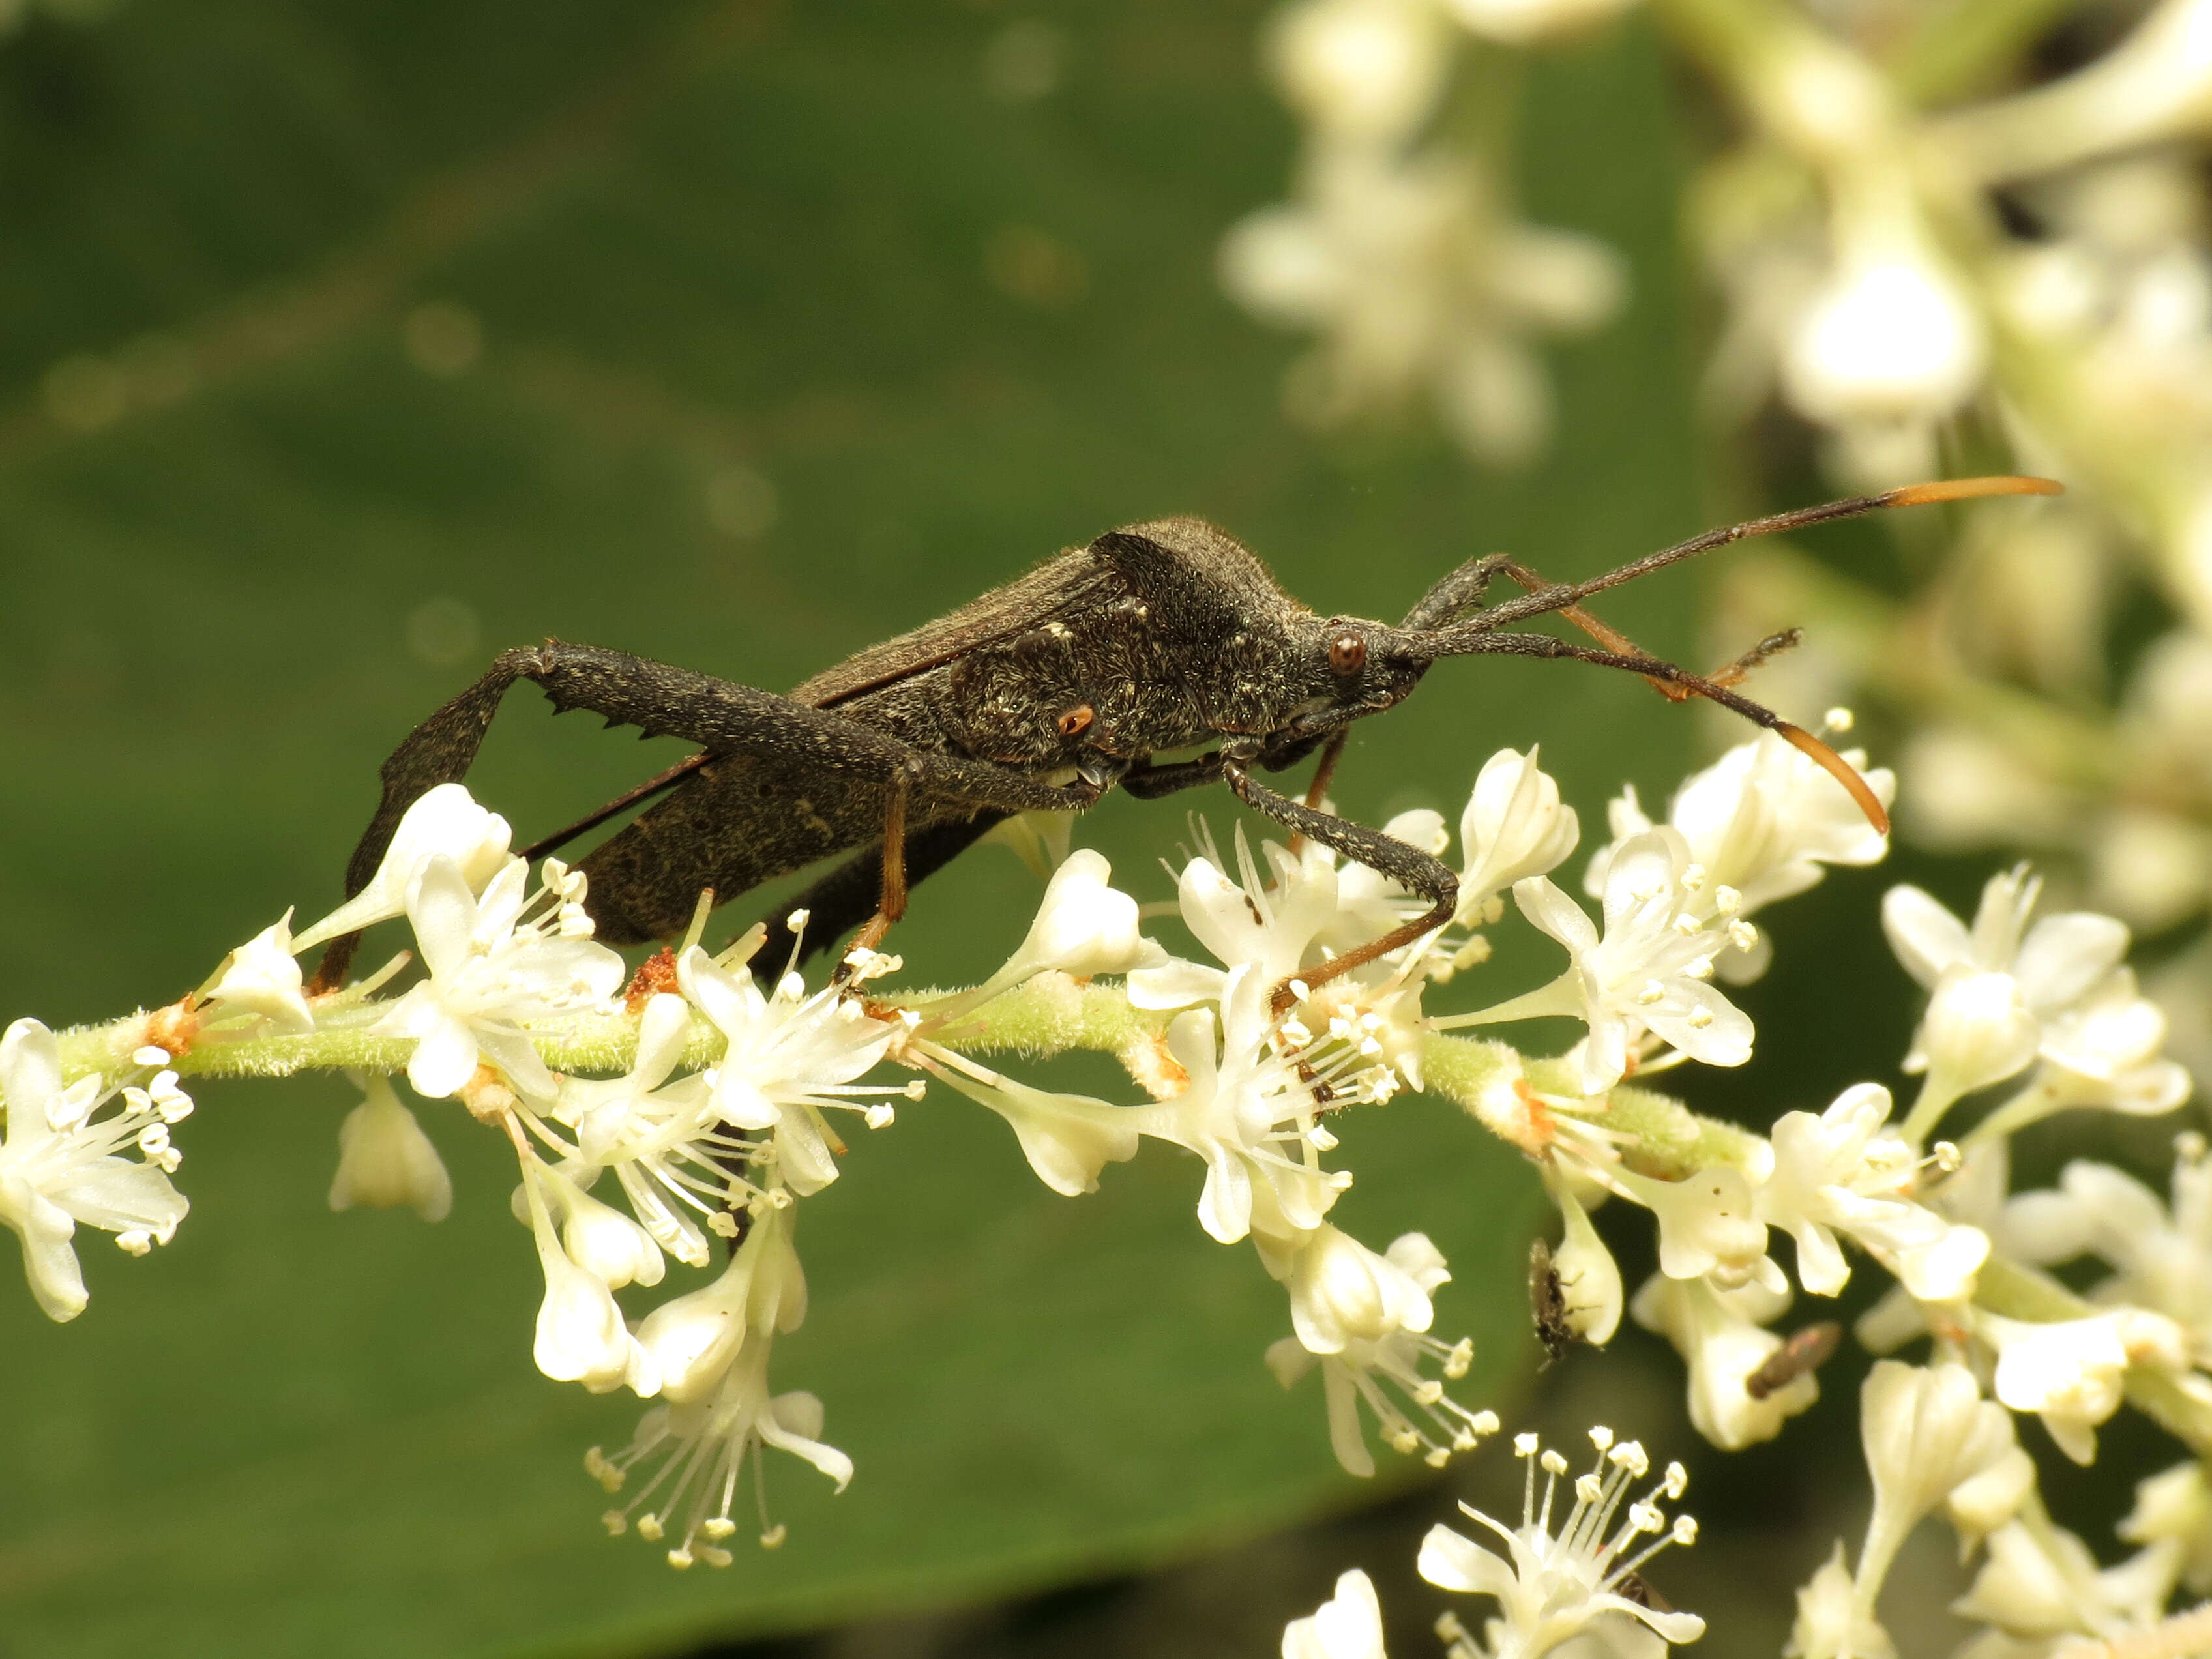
655, 974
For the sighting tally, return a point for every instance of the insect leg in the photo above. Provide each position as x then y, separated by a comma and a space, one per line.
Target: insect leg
1406, 865
1152, 782
849, 895
662, 699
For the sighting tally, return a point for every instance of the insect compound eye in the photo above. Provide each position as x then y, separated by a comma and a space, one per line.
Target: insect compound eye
1348, 655
1076, 720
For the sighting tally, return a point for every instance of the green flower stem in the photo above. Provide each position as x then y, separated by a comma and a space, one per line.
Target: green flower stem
2167, 1397
1049, 1015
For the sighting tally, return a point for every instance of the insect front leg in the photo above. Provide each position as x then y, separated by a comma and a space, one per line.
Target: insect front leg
1408, 867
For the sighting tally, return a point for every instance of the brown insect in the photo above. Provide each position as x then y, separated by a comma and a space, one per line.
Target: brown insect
1044, 695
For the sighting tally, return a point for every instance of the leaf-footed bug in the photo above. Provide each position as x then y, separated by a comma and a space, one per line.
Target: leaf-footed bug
1044, 695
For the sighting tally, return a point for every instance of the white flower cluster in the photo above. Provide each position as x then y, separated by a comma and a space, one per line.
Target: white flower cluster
1561, 1577
708, 1121
1402, 250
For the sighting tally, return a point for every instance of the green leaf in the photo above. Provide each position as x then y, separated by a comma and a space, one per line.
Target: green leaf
263, 509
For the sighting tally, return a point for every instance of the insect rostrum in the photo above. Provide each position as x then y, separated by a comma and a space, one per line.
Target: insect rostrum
1042, 695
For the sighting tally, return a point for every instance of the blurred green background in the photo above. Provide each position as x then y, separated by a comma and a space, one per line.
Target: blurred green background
344, 342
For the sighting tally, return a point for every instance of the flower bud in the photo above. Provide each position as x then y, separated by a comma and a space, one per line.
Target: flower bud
260, 977
1514, 827
444, 821
386, 1161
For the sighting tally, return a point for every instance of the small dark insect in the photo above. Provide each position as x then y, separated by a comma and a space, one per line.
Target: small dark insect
1635, 1587
1805, 1350
1548, 1303
1043, 695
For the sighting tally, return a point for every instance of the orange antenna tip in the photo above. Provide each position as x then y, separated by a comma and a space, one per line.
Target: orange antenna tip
1840, 770
1967, 489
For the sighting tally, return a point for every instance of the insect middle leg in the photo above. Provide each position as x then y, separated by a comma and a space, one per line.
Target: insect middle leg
1408, 867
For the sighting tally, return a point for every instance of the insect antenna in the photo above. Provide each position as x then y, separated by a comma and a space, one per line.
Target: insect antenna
1774, 523
1482, 633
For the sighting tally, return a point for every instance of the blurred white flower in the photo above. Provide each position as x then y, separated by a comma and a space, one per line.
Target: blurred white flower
1831, 1622
2039, 1580
1891, 338
2162, 1260
1525, 22
2071, 1372
386, 1161
1926, 1431
2175, 1506
62, 1163
1348, 1625
1550, 1586
1419, 282
1360, 70
1067, 1139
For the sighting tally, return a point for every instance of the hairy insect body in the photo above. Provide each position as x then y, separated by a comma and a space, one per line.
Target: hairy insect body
1164, 636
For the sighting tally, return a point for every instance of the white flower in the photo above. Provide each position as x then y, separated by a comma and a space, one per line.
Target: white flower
2040, 1580
1247, 1113
1512, 828
1420, 282
1360, 69
710, 1349
2175, 1506
1365, 1318
662, 1140
1647, 972
1926, 1431
1067, 1139
1083, 927
703, 1449
1590, 1290
386, 1161
790, 1057
1550, 1587
691, 1339
2004, 991
2055, 962
1836, 1173
1892, 337
1831, 1622
2162, 1261
492, 966
1348, 1625
1720, 1335
1761, 823
581, 1337
61, 1163
261, 978
1708, 1226
2071, 1372
1271, 929
444, 822
1976, 1032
